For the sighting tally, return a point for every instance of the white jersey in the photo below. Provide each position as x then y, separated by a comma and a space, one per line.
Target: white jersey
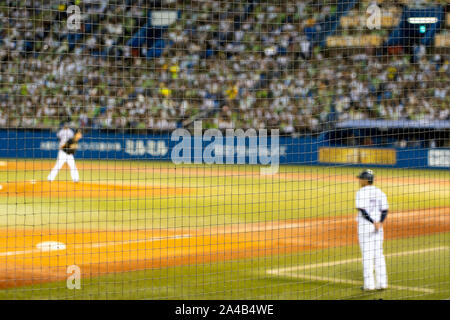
64, 135
373, 200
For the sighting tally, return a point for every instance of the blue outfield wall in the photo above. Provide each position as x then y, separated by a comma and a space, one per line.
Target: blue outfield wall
296, 151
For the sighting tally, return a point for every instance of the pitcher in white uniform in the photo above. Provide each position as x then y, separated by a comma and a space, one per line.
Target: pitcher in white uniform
372, 207
67, 147
64, 134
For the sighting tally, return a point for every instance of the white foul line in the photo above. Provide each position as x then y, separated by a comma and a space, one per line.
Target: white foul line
18, 253
286, 272
355, 282
335, 263
115, 243
94, 245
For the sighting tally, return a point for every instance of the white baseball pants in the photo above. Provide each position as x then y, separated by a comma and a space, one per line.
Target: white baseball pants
371, 244
63, 158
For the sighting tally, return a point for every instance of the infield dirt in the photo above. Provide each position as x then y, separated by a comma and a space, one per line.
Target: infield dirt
99, 252
68, 189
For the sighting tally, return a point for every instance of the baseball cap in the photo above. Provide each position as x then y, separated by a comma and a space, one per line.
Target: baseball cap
366, 175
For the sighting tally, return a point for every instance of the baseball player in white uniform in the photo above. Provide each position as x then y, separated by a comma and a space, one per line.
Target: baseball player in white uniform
67, 147
372, 207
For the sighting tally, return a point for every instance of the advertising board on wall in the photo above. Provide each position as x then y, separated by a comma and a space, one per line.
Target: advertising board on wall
296, 151
358, 156
439, 158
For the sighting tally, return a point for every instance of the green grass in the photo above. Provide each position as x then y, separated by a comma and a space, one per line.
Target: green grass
217, 200
213, 200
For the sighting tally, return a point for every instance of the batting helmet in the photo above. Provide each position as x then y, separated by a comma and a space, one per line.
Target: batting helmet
366, 175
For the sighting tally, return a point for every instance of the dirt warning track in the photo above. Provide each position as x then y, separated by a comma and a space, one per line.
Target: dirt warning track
43, 255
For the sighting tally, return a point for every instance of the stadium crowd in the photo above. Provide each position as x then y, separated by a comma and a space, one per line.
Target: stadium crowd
259, 73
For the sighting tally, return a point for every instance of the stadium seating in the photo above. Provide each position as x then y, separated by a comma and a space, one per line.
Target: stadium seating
229, 64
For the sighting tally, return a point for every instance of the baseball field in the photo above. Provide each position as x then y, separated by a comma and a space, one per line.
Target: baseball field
154, 230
